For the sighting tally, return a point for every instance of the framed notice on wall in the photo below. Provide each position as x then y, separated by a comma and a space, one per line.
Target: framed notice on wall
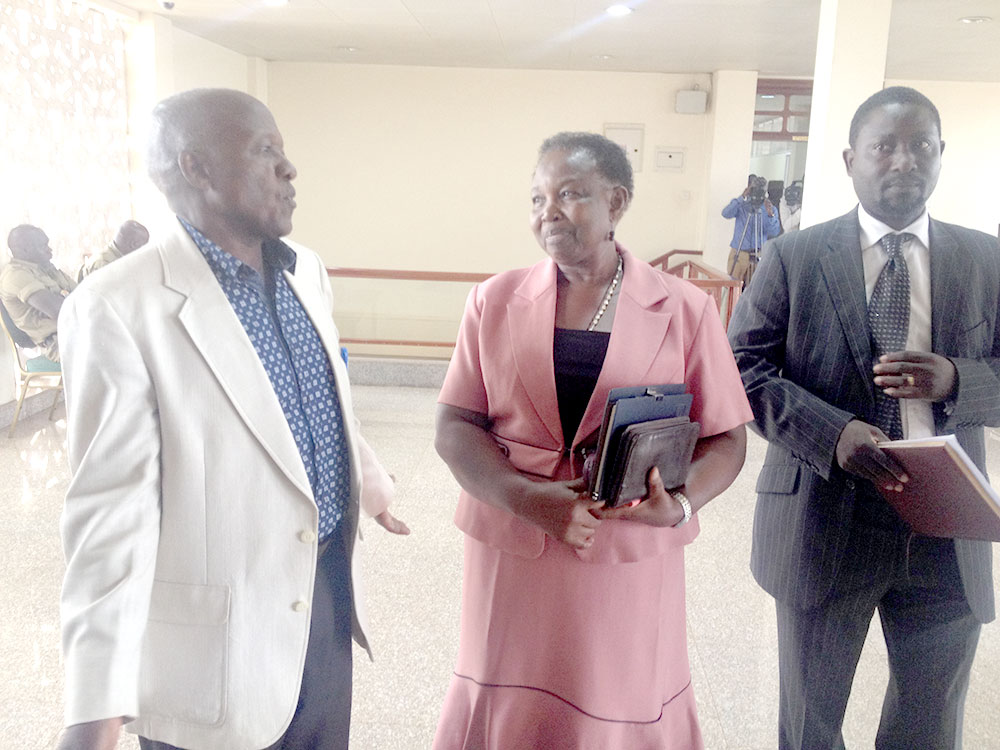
629, 137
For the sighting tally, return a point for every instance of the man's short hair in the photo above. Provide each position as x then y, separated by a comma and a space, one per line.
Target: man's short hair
15, 233
610, 158
183, 122
891, 95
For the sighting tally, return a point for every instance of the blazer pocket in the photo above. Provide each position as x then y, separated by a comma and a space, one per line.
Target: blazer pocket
974, 341
779, 479
185, 655
532, 459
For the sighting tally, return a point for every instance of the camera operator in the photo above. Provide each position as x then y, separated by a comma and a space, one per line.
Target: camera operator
756, 222
790, 211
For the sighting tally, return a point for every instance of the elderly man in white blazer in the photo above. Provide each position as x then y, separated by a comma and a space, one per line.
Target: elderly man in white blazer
211, 525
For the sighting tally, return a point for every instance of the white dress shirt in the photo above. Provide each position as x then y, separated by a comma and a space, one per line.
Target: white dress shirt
917, 414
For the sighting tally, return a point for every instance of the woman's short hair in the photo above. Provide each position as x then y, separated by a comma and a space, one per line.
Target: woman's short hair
610, 158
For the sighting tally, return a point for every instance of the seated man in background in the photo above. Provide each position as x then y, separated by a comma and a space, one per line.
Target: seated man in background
131, 236
32, 289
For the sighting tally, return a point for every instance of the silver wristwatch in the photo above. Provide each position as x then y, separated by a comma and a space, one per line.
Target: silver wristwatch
685, 504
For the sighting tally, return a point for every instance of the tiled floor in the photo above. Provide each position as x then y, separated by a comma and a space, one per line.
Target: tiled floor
413, 595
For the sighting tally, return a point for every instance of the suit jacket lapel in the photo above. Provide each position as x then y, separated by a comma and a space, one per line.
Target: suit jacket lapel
219, 336
532, 314
845, 279
951, 269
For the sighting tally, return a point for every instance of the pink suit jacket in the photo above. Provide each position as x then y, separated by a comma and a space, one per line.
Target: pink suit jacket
665, 331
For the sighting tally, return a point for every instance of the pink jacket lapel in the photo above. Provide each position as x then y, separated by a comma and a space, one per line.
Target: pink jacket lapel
636, 338
532, 314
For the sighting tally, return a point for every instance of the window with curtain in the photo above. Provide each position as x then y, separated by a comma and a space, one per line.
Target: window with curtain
64, 147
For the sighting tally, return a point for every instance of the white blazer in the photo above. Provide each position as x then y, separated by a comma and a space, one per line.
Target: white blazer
190, 525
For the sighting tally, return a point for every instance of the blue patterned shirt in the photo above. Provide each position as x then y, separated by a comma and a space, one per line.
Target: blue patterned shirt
297, 365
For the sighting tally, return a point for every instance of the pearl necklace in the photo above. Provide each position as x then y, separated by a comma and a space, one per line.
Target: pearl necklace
607, 296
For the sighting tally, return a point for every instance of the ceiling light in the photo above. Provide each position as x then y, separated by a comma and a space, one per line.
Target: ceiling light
604, 57
275, 3
349, 50
618, 10
975, 19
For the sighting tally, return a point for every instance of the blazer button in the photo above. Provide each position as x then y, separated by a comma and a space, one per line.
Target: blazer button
300, 606
308, 536
849, 484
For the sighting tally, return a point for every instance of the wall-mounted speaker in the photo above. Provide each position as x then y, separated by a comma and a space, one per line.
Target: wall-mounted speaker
691, 102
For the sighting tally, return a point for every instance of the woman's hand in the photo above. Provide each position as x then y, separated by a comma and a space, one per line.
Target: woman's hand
658, 508
563, 510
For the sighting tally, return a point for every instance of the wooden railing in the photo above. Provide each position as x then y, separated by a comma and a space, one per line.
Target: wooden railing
395, 275
722, 287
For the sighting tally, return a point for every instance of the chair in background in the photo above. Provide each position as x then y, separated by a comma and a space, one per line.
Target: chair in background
35, 372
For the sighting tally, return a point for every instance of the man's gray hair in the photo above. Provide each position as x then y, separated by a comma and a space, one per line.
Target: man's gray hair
187, 121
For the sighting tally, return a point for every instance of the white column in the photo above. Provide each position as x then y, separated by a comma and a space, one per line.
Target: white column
850, 67
733, 95
149, 69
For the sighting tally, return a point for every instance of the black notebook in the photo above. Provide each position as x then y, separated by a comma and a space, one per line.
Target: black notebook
643, 426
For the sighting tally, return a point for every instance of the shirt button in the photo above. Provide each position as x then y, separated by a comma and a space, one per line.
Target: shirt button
300, 606
308, 536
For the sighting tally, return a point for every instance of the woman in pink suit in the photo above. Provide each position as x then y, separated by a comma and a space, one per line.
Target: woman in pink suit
573, 618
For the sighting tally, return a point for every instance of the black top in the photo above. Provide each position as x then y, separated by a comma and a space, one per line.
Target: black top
578, 357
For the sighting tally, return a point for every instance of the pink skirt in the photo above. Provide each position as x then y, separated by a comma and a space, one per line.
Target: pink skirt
558, 653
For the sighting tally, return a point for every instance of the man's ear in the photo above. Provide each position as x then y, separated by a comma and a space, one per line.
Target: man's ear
942, 148
194, 169
849, 159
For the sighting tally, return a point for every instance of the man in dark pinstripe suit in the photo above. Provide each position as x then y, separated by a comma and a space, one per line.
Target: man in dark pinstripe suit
826, 545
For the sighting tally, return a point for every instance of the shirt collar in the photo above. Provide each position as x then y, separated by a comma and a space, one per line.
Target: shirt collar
277, 255
873, 230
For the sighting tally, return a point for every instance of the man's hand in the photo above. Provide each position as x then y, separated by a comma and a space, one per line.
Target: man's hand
769, 206
923, 375
390, 523
858, 453
92, 735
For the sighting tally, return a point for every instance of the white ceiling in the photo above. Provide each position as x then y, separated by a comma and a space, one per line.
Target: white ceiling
775, 37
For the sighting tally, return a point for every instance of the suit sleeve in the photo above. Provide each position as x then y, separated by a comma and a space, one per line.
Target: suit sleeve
110, 522
772, 225
977, 400
784, 412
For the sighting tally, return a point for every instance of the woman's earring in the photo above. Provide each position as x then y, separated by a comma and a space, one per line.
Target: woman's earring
611, 235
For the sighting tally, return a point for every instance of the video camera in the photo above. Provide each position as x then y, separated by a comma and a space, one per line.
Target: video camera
793, 194
756, 191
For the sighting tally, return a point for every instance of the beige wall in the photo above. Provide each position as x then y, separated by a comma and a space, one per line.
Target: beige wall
967, 192
429, 168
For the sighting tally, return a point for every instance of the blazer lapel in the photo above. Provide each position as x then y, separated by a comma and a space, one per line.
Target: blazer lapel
845, 279
531, 313
636, 338
951, 269
219, 336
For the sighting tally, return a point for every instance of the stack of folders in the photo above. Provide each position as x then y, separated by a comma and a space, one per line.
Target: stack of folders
946, 495
643, 427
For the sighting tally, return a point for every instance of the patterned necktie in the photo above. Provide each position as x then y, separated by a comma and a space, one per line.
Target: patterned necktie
889, 316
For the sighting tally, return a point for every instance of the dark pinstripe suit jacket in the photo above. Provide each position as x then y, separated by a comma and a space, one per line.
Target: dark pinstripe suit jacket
801, 338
